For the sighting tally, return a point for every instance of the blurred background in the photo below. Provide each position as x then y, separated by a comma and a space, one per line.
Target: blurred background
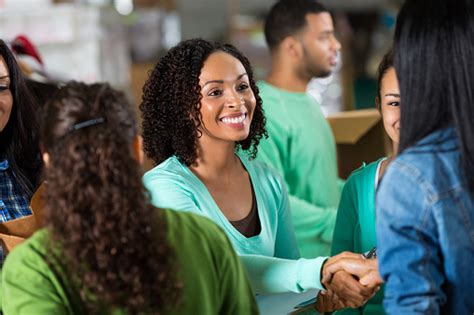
119, 41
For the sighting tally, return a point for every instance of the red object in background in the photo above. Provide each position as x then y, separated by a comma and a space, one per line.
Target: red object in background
21, 45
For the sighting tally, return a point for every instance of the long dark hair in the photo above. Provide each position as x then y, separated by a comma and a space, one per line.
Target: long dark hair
19, 139
434, 60
171, 102
112, 240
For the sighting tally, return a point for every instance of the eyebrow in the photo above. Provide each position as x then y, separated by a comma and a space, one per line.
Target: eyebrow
393, 94
327, 32
222, 81
5, 77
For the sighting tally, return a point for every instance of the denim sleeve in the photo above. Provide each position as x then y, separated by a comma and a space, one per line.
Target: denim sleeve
408, 248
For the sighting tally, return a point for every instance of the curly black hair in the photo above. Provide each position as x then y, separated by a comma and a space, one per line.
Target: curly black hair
96, 206
171, 103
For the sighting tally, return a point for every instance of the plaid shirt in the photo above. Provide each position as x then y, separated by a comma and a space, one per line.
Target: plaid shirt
13, 203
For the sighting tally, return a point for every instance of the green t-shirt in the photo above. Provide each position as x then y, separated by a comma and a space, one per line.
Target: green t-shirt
355, 225
302, 149
213, 278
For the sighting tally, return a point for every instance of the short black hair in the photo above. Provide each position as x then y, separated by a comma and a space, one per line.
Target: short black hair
288, 17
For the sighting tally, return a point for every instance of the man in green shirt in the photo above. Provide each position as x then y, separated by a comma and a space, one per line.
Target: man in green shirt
301, 145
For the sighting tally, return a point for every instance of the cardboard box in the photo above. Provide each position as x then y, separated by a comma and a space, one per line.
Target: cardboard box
8, 242
360, 137
16, 231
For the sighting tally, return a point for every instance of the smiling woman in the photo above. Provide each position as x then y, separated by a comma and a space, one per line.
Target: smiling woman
172, 100
227, 104
20, 160
355, 224
6, 99
202, 122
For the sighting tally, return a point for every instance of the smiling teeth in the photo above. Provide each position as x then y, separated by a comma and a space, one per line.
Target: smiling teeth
235, 120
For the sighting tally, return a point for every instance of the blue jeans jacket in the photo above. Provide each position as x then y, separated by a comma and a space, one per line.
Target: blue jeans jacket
425, 230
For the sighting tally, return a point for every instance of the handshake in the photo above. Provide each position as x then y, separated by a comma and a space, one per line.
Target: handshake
350, 281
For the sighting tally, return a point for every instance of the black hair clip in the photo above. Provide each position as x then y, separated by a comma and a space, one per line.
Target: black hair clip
87, 123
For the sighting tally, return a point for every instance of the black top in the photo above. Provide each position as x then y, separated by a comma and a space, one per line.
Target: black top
250, 225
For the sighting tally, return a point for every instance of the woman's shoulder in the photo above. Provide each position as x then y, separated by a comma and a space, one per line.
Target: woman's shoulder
171, 164
261, 169
170, 169
364, 174
30, 252
264, 174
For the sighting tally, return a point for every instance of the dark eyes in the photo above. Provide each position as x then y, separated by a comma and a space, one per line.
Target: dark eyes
215, 93
393, 103
219, 92
243, 86
4, 87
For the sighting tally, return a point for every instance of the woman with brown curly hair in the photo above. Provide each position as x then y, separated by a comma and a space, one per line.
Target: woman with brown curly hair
202, 122
105, 249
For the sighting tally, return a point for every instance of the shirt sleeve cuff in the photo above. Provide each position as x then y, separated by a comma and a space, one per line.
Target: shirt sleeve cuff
309, 273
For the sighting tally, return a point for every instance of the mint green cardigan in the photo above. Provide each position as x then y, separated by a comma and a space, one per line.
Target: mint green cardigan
271, 258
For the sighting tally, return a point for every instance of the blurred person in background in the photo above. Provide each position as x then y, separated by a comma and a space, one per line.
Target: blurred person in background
20, 158
301, 146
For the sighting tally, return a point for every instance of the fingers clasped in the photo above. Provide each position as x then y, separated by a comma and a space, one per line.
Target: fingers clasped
350, 277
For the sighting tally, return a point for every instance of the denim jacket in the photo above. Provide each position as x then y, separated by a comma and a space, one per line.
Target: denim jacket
425, 230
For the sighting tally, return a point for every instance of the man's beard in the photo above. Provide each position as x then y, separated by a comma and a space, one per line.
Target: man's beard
310, 69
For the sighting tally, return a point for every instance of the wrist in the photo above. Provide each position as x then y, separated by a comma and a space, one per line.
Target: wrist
322, 272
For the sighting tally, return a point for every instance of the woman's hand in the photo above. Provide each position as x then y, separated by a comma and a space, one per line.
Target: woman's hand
352, 277
349, 291
366, 270
327, 301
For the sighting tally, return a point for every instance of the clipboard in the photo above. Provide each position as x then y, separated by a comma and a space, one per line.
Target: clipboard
286, 303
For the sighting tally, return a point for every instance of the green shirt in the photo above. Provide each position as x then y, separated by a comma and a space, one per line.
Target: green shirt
271, 258
302, 149
213, 279
355, 225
